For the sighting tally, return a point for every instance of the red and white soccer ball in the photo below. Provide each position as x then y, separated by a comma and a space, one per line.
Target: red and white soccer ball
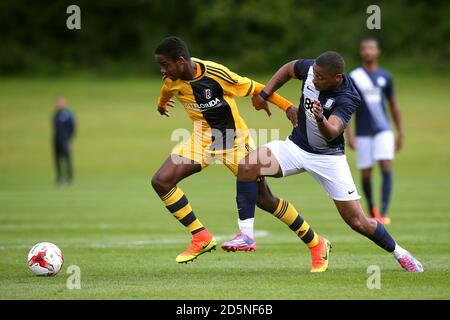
45, 259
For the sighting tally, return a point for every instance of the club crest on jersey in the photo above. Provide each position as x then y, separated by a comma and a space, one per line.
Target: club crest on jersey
328, 104
381, 81
207, 93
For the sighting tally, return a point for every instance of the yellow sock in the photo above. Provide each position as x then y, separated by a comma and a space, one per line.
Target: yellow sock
287, 213
177, 203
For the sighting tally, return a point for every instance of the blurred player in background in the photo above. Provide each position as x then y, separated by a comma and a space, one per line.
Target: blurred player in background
207, 91
374, 137
63, 132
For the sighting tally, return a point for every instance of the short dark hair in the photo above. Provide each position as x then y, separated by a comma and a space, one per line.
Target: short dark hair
370, 39
332, 61
173, 48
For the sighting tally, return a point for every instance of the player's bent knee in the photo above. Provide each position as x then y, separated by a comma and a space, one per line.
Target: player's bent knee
160, 184
155, 182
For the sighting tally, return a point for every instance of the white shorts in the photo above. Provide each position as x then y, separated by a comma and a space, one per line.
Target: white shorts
370, 149
332, 172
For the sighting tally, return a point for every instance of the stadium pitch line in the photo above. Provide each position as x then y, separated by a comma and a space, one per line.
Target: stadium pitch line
126, 244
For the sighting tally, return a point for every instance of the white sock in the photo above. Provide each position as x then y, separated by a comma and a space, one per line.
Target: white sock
246, 226
399, 251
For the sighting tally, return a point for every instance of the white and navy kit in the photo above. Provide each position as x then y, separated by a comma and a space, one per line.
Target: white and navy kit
374, 136
306, 149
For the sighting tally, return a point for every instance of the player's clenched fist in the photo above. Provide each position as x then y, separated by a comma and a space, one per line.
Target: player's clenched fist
317, 110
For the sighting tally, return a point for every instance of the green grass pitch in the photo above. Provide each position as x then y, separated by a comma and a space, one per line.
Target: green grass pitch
112, 225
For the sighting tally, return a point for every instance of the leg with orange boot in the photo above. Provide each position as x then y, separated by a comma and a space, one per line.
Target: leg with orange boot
165, 184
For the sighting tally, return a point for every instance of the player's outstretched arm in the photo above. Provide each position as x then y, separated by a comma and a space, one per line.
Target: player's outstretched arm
165, 101
244, 86
283, 75
274, 98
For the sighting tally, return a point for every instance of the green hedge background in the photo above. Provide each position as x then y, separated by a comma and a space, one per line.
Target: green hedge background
118, 37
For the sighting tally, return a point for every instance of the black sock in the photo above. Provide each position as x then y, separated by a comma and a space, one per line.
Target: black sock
246, 198
386, 191
367, 188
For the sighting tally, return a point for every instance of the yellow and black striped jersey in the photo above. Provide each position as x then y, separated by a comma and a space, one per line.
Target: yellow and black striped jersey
208, 99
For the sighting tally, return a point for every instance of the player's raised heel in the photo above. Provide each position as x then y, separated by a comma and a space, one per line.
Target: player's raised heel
201, 243
241, 242
320, 255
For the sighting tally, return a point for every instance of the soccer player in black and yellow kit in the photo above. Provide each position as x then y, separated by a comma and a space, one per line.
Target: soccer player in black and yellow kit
207, 90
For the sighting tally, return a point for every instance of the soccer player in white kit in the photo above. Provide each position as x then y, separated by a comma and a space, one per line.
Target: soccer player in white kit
374, 137
316, 146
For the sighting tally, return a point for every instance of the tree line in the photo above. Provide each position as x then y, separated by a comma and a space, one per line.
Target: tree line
118, 37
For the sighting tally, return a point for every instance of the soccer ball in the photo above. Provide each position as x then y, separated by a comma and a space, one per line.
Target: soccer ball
45, 259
